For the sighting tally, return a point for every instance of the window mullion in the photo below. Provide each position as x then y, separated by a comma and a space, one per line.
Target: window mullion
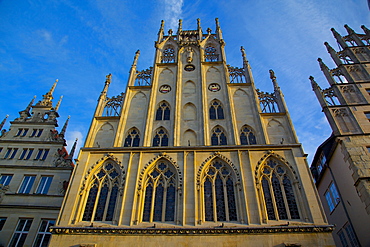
272, 194
164, 201
155, 184
226, 200
96, 199
108, 200
287, 209
214, 199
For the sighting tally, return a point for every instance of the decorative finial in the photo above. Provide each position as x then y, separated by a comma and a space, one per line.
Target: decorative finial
313, 83
349, 30
58, 104
198, 23
170, 32
108, 78
217, 23
209, 30
180, 26
48, 97
272, 75
136, 57
366, 30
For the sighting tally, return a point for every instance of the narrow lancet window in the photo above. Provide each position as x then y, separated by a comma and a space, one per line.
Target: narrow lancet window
247, 136
160, 184
219, 193
218, 137
216, 111
278, 192
163, 112
160, 138
132, 138
102, 195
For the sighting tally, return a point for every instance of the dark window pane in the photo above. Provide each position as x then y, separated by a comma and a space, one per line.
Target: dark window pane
170, 203
220, 112
136, 141
167, 113
101, 203
252, 139
212, 113
293, 209
159, 114
158, 203
268, 199
243, 139
231, 200
112, 203
214, 140
220, 199
223, 140
156, 141
208, 200
128, 141
279, 200
164, 141
147, 202
90, 202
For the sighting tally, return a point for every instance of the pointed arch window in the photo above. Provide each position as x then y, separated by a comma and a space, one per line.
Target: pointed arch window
168, 55
278, 192
247, 136
163, 112
210, 54
160, 193
216, 111
160, 138
219, 193
218, 136
133, 138
102, 194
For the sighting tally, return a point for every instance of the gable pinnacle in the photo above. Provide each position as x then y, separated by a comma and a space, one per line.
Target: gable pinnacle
273, 79
3, 122
58, 104
349, 30
63, 131
48, 97
180, 26
366, 30
313, 83
136, 57
70, 156
245, 60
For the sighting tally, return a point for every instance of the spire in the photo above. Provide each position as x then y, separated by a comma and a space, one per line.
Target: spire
63, 131
58, 104
26, 112
3, 122
314, 83
367, 31
136, 57
218, 29
48, 97
273, 79
354, 35
247, 67
326, 72
200, 32
339, 38
161, 32
333, 54
318, 92
245, 60
180, 27
72, 152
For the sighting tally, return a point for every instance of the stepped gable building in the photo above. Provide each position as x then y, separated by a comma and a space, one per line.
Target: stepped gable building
192, 154
35, 169
341, 166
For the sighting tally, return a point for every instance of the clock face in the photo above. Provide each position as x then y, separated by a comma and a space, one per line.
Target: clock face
189, 67
164, 89
214, 87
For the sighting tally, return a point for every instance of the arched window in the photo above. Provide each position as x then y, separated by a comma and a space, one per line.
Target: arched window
160, 138
216, 111
210, 54
218, 136
219, 193
132, 138
160, 193
246, 136
278, 192
163, 112
102, 195
168, 55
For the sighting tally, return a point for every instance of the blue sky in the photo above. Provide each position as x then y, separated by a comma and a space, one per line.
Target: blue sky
79, 42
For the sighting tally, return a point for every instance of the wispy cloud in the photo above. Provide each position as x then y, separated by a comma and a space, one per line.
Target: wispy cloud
173, 12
